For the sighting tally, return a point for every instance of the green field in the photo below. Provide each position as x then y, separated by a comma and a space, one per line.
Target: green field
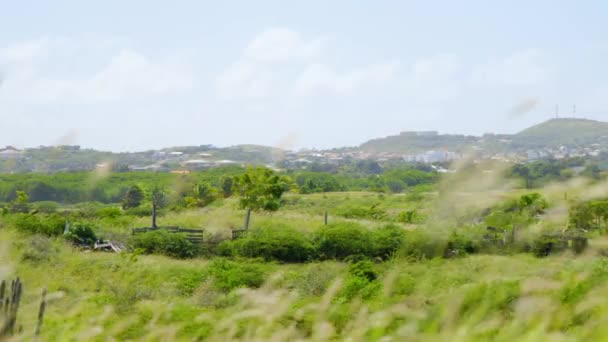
373, 273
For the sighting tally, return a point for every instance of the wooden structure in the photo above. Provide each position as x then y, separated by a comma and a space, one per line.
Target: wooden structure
237, 233
195, 236
117, 247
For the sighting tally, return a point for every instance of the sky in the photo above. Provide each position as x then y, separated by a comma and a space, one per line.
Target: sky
138, 75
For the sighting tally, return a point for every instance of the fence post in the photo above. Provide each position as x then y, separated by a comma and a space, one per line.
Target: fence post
325, 218
41, 312
247, 218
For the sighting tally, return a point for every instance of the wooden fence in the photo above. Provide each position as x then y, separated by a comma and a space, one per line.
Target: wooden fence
193, 235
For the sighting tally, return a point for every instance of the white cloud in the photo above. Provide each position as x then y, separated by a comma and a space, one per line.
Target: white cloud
520, 69
436, 68
282, 45
24, 51
281, 62
244, 79
319, 78
126, 74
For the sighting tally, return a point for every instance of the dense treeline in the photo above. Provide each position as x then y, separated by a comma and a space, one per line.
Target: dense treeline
77, 187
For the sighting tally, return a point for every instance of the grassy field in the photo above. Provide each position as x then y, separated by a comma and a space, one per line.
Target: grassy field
500, 295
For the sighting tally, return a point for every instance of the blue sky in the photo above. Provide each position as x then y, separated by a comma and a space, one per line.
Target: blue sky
134, 75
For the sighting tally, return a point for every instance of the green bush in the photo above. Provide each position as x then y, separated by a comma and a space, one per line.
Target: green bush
81, 233
421, 244
49, 225
46, 207
163, 242
547, 244
341, 240
362, 282
459, 245
387, 240
228, 275
109, 212
39, 249
281, 244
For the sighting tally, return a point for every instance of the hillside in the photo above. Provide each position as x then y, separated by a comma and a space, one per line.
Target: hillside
410, 142
558, 132
549, 134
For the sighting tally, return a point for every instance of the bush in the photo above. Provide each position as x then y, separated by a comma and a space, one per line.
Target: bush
163, 242
39, 249
421, 244
340, 240
547, 244
282, 244
46, 207
49, 225
459, 245
109, 212
81, 233
361, 282
387, 240
228, 275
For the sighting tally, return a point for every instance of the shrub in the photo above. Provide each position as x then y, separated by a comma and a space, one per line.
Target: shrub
81, 233
459, 245
362, 212
282, 244
387, 240
228, 275
361, 282
39, 249
49, 225
421, 244
109, 212
46, 207
163, 242
340, 240
547, 244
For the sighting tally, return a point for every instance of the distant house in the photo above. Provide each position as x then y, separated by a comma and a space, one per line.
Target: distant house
10, 152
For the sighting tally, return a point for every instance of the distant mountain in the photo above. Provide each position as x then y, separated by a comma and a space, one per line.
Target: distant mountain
415, 142
562, 132
549, 134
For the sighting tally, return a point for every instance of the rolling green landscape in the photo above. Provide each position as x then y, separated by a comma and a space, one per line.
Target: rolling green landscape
482, 253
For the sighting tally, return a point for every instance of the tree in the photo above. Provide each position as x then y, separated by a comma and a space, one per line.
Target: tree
202, 195
522, 171
20, 204
226, 186
260, 189
133, 197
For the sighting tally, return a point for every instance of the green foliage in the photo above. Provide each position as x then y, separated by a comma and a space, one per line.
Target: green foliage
341, 240
202, 195
109, 212
39, 249
261, 189
546, 244
165, 243
81, 233
20, 203
276, 243
133, 197
311, 182
228, 275
226, 184
387, 240
49, 225
373, 212
46, 207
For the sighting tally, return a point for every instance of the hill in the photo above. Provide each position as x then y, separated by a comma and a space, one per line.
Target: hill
562, 132
549, 134
415, 142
